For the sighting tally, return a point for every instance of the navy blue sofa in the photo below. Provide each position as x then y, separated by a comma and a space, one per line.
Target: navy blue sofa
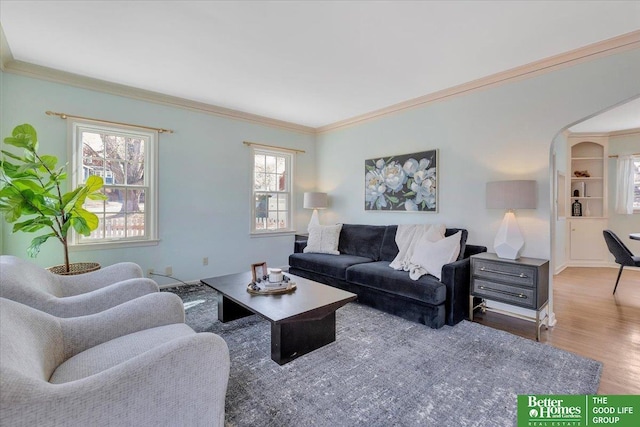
363, 268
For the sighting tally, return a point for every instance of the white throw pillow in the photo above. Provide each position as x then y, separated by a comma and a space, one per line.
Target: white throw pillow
433, 255
435, 232
323, 239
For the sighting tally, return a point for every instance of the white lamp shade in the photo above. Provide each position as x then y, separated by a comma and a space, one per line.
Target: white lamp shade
511, 195
314, 200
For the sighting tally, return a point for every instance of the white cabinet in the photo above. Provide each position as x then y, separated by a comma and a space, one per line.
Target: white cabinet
587, 200
586, 242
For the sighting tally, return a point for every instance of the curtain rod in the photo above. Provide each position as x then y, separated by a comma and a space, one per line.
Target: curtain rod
66, 116
257, 144
615, 156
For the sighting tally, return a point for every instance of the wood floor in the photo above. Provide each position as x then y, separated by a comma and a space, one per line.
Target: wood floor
592, 322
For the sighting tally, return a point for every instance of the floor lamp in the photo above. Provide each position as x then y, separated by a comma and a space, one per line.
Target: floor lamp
315, 201
510, 195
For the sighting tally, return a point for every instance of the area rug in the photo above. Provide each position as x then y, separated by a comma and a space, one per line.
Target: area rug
385, 371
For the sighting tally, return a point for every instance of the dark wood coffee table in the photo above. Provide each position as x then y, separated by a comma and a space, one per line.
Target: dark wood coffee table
301, 321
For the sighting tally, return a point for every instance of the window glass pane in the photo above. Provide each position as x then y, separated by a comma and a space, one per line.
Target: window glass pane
92, 166
259, 182
262, 210
280, 165
97, 207
272, 182
259, 162
282, 182
92, 144
115, 146
270, 164
135, 173
117, 172
135, 213
135, 149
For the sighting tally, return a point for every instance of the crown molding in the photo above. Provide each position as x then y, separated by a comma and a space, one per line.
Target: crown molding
622, 43
623, 132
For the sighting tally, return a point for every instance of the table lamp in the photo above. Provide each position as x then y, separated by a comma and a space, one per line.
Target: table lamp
510, 195
315, 201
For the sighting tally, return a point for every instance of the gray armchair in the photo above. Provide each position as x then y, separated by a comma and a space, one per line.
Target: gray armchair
71, 296
134, 364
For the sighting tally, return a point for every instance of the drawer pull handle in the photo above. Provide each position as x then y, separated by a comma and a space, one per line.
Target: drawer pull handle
483, 288
504, 273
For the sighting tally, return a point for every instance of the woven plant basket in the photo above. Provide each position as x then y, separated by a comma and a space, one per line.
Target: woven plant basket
74, 268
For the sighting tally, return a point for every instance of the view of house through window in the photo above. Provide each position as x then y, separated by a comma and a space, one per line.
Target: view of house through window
636, 194
271, 191
124, 159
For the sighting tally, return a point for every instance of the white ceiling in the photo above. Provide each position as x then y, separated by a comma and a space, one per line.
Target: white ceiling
312, 63
626, 116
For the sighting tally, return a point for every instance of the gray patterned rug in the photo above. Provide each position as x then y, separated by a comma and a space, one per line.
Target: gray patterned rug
385, 371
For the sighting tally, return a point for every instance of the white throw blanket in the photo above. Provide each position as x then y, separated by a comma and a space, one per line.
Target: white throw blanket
406, 238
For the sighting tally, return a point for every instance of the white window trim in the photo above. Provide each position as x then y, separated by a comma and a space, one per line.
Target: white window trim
291, 172
74, 127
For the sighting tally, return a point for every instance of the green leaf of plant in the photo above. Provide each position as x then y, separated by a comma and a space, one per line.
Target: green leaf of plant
83, 221
13, 156
49, 162
97, 196
34, 249
12, 208
392, 199
32, 225
24, 136
94, 183
69, 199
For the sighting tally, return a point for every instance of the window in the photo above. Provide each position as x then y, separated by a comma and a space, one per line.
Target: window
125, 157
636, 191
271, 199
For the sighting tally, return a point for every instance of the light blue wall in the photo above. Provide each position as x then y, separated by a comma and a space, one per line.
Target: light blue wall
499, 133
204, 179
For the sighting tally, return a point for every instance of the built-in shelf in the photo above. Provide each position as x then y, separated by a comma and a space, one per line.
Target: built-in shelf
584, 233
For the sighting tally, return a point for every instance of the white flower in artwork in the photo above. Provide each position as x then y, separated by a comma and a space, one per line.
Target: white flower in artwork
424, 186
380, 164
374, 190
394, 176
410, 205
411, 166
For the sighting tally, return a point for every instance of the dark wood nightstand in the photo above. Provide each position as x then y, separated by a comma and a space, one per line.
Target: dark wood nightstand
523, 283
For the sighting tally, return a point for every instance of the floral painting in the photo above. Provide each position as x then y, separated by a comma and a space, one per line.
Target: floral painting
406, 182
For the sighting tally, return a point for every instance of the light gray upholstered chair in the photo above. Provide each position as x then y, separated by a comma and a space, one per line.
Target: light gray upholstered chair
71, 296
136, 364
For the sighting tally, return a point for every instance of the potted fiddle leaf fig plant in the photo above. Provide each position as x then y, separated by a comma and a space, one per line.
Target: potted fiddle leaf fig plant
32, 197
